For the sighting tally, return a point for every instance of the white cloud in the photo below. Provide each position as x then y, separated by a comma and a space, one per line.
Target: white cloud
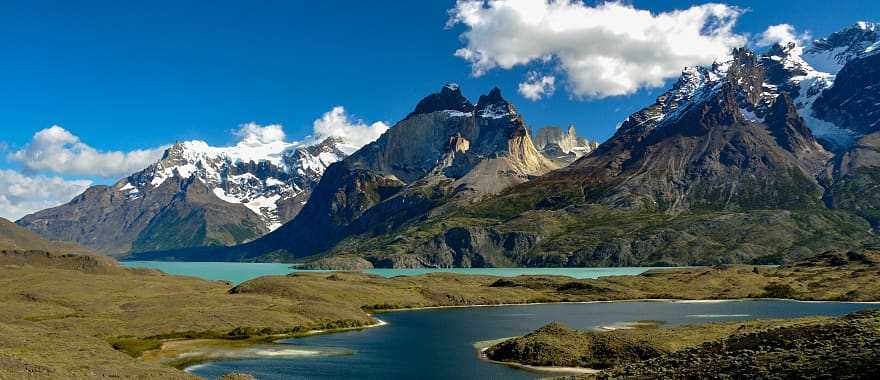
254, 134
21, 195
536, 86
606, 50
781, 34
356, 133
58, 151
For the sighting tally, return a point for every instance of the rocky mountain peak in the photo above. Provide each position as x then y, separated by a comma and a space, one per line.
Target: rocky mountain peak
328, 145
494, 106
448, 99
831, 53
561, 146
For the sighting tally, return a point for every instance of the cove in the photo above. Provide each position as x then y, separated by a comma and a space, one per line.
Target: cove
439, 343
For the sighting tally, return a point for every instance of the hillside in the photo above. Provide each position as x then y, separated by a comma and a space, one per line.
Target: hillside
14, 237
65, 320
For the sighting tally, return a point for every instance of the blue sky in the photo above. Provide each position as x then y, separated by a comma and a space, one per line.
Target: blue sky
124, 75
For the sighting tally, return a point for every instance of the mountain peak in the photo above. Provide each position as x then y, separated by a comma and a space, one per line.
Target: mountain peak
450, 87
494, 106
448, 99
829, 54
782, 50
493, 97
866, 25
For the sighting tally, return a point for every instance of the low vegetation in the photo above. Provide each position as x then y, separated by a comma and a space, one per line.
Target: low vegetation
85, 317
811, 347
557, 345
844, 348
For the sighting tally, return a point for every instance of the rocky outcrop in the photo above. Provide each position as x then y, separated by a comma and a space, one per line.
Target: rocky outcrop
338, 263
466, 248
562, 147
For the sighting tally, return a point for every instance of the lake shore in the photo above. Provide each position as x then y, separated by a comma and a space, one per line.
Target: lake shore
625, 352
185, 348
120, 321
185, 354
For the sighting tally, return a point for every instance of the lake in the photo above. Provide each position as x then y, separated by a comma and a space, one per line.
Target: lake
439, 343
240, 272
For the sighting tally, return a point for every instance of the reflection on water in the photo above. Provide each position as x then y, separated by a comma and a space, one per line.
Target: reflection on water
439, 343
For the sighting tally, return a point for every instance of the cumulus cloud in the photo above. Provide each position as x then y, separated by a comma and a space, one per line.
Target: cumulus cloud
605, 50
56, 150
21, 195
356, 133
254, 134
781, 34
536, 86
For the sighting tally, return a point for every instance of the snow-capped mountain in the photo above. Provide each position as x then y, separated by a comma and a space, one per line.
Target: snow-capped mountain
196, 194
831, 53
265, 178
789, 69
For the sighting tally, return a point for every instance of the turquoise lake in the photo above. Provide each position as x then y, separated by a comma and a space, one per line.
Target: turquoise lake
240, 272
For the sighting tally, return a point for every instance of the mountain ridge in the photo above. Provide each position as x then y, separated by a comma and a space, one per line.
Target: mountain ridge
194, 195
725, 167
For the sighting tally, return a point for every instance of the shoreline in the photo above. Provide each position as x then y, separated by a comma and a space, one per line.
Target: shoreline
540, 369
669, 300
200, 361
191, 359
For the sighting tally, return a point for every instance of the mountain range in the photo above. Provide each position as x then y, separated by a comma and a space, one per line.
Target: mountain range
195, 195
764, 157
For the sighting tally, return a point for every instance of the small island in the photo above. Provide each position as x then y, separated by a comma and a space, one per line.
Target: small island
812, 347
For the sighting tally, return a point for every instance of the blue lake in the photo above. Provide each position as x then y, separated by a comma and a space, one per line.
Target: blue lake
439, 343
240, 272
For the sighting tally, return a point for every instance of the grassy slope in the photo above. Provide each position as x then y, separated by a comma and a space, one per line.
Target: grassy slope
12, 236
817, 347
844, 348
61, 319
55, 306
559, 346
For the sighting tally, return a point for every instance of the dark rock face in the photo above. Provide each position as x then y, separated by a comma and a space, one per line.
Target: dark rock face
449, 98
338, 263
854, 100
466, 248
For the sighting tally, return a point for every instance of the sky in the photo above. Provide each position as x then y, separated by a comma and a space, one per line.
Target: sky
94, 90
